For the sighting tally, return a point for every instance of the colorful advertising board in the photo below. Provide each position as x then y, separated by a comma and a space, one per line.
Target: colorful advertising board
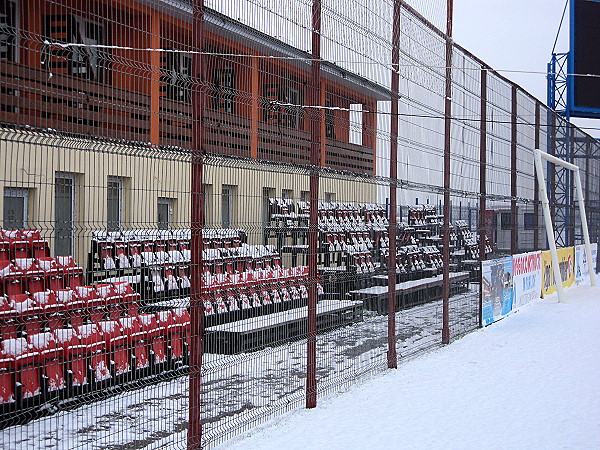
582, 271
497, 289
527, 278
566, 262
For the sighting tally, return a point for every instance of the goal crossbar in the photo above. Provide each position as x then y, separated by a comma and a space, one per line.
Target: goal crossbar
539, 156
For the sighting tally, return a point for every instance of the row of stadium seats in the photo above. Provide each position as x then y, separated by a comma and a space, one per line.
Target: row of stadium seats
45, 363
27, 313
22, 275
18, 244
287, 293
226, 280
132, 249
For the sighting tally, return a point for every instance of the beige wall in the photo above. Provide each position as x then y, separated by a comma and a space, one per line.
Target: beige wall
32, 161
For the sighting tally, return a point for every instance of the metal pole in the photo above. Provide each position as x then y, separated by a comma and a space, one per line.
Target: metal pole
194, 440
392, 356
569, 177
513, 174
446, 225
536, 194
584, 226
548, 219
313, 230
482, 176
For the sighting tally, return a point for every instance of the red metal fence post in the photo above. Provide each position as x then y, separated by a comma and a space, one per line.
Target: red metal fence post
313, 228
514, 248
536, 194
197, 221
482, 175
447, 140
392, 356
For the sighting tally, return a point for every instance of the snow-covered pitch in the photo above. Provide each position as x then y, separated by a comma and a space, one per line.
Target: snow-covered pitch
531, 380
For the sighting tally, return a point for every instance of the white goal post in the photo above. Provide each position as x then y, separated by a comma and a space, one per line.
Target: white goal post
538, 156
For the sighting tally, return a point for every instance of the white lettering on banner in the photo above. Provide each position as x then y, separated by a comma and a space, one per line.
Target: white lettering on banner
527, 277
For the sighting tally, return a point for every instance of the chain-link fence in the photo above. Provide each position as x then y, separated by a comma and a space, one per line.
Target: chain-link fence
210, 207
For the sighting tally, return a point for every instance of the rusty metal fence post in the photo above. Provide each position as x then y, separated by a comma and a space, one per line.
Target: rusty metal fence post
447, 141
392, 355
313, 231
197, 222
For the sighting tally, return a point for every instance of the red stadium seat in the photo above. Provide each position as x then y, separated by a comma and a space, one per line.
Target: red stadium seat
48, 301
75, 354
29, 234
122, 288
66, 263
96, 314
178, 332
52, 359
20, 249
40, 248
56, 281
9, 327
7, 380
136, 339
77, 317
135, 254
89, 296
74, 278
121, 256
96, 349
106, 251
117, 344
105, 290
27, 366
156, 335
4, 250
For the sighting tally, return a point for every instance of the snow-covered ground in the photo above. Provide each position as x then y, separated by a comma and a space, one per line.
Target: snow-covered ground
531, 380
240, 391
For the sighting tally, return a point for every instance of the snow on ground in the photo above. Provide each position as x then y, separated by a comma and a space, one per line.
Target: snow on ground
531, 380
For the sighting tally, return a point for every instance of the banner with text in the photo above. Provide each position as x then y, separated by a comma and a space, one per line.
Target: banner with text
527, 278
566, 262
582, 271
497, 289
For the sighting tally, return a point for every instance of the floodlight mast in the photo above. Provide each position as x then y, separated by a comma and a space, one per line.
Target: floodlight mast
538, 156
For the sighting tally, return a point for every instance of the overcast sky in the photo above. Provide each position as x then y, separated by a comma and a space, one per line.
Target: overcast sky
515, 35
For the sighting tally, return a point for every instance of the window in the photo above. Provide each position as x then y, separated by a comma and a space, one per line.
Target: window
529, 221
114, 204
227, 205
506, 221
177, 69
15, 208
165, 213
64, 213
271, 111
356, 124
287, 194
329, 197
266, 195
207, 204
9, 35
274, 113
305, 196
85, 62
329, 120
292, 113
224, 95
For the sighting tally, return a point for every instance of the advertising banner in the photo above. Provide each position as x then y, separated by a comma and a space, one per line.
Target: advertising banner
582, 272
566, 262
527, 278
497, 289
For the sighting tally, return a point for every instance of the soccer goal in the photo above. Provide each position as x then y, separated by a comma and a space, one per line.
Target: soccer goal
539, 156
